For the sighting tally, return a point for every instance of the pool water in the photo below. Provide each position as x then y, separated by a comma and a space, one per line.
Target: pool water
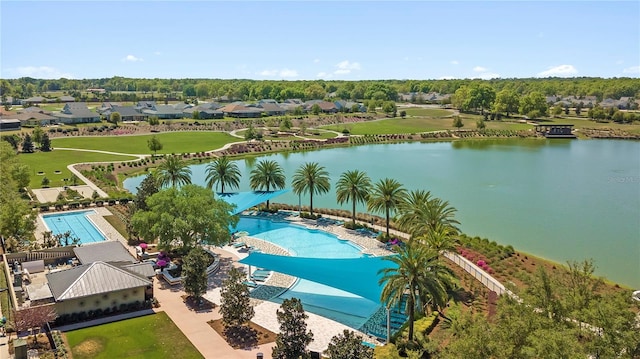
75, 222
343, 307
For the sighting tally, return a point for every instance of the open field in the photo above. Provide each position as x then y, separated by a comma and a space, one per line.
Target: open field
426, 112
152, 336
56, 161
173, 142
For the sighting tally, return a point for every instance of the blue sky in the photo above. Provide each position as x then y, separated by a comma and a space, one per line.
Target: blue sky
295, 40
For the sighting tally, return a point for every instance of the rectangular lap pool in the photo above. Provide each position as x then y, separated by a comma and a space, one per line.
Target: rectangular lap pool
76, 223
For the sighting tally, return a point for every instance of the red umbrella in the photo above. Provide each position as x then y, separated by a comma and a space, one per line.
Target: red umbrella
161, 263
143, 245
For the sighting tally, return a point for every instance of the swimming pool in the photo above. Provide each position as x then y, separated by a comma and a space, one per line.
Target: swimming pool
332, 303
75, 222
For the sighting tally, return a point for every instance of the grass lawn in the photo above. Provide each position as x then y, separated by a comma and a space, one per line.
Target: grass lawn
57, 160
394, 125
173, 142
426, 112
152, 336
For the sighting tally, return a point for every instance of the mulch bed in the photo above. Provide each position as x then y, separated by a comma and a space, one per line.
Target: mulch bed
245, 337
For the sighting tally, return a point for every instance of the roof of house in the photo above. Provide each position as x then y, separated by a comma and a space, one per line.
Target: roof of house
143, 269
107, 251
163, 110
35, 99
33, 109
9, 120
67, 98
239, 108
34, 116
125, 111
271, 107
91, 279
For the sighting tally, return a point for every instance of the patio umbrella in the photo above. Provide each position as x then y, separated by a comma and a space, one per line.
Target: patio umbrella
161, 263
143, 245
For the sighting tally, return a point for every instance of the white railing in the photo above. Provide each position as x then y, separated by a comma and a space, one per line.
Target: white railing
479, 274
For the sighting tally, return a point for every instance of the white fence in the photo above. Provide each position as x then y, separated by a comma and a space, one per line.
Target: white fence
479, 274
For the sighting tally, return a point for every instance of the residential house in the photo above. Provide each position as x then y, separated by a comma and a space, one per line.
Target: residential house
325, 106
127, 113
76, 112
67, 98
33, 100
105, 106
347, 106
166, 112
205, 111
239, 110
609, 102
271, 108
295, 101
41, 118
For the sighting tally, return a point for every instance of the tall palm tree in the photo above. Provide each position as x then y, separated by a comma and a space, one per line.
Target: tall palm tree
418, 274
441, 239
312, 178
266, 176
421, 213
353, 186
386, 197
174, 172
223, 171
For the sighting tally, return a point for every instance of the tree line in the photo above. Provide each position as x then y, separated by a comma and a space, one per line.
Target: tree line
131, 89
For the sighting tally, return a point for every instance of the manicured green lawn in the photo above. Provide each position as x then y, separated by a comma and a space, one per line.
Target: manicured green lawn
426, 112
57, 160
394, 125
173, 142
152, 336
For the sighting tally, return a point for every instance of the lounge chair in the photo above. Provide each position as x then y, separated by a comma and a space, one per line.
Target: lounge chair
263, 272
260, 275
258, 279
238, 244
250, 284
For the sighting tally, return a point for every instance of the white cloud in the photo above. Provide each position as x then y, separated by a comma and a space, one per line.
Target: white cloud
131, 58
454, 62
42, 72
288, 73
345, 67
157, 53
619, 62
479, 69
632, 70
559, 71
279, 73
316, 61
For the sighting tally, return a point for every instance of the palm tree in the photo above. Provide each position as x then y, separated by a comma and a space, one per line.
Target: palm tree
420, 213
418, 274
266, 176
387, 196
223, 171
312, 178
353, 186
441, 239
174, 172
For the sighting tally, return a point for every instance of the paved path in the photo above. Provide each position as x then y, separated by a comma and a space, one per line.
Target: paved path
194, 324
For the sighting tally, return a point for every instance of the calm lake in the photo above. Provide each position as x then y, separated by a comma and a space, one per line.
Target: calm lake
557, 199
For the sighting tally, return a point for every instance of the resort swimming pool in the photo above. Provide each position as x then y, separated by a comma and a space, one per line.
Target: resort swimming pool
75, 222
335, 304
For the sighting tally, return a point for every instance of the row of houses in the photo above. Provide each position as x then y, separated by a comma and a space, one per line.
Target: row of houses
624, 103
212, 110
